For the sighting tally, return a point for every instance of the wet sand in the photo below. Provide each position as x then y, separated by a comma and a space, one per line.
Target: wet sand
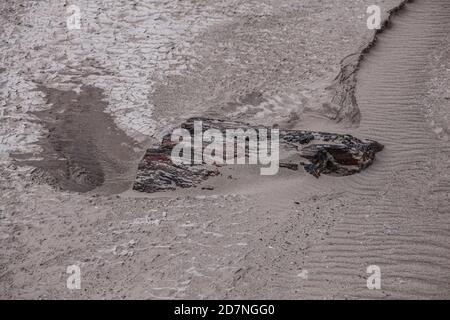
400, 221
251, 236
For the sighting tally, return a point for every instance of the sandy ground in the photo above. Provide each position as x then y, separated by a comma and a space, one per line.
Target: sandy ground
79, 107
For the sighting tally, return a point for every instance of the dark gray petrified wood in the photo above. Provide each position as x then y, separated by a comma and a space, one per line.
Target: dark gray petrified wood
317, 152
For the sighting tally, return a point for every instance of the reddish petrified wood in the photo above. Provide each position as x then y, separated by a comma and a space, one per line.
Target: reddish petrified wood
323, 153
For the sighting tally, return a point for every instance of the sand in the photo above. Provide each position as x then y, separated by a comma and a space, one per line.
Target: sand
142, 70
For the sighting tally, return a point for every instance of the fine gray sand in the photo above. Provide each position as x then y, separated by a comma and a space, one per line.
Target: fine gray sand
79, 108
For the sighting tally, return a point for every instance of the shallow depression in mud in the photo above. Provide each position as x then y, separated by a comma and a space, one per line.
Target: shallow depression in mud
83, 149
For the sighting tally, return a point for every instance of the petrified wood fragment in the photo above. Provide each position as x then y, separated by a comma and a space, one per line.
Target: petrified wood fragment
317, 152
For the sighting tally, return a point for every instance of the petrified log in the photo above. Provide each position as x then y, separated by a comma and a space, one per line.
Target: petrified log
157, 172
317, 152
